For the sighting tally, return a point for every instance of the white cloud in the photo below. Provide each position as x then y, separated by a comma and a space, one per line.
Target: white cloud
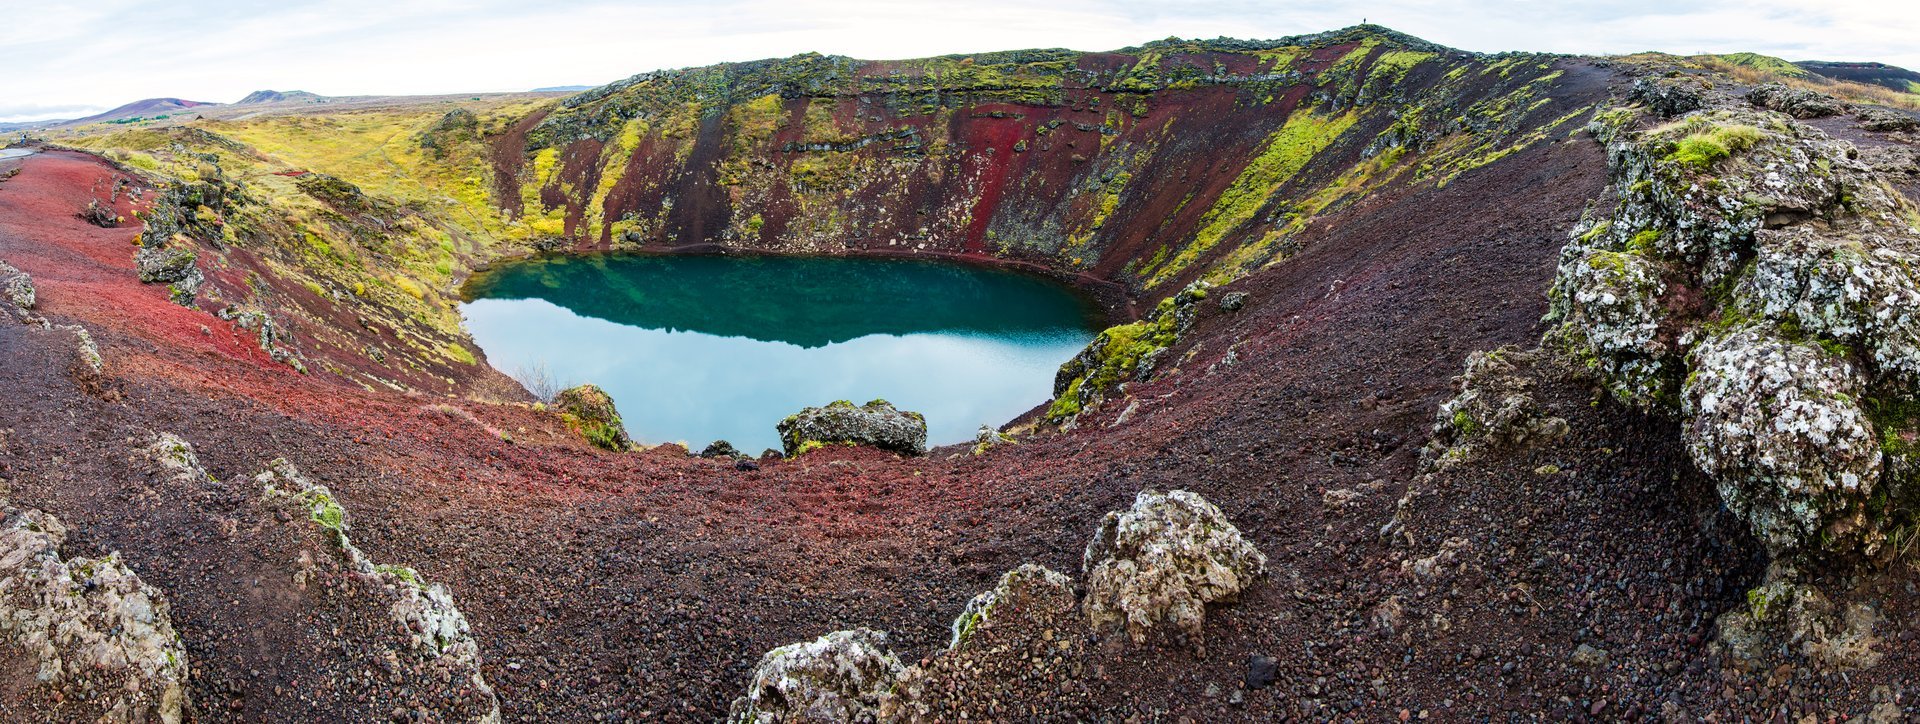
108, 52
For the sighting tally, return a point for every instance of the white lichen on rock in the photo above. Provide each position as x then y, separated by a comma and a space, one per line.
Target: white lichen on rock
97, 636
424, 611
1778, 425
839, 677
1857, 287
17, 288
1159, 563
1495, 408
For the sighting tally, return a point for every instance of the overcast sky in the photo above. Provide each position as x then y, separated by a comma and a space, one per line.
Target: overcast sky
63, 60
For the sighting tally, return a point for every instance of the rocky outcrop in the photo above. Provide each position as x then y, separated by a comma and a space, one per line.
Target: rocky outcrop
1013, 650
839, 677
1122, 354
97, 643
719, 449
1156, 566
172, 265
1795, 102
1752, 277
876, 423
590, 410
16, 289
1883, 120
438, 640
1495, 408
262, 324
1778, 426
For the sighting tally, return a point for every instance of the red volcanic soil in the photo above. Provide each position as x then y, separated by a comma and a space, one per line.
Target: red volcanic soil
647, 585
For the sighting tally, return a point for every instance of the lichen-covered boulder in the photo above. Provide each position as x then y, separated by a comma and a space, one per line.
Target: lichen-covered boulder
94, 642
434, 631
839, 677
1778, 425
16, 287
876, 423
1795, 101
590, 410
1159, 563
1026, 590
1495, 408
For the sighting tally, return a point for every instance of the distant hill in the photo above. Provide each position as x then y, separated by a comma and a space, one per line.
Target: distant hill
273, 96
146, 108
563, 89
1880, 74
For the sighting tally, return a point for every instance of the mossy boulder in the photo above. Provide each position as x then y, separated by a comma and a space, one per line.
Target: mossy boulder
590, 410
876, 423
1123, 353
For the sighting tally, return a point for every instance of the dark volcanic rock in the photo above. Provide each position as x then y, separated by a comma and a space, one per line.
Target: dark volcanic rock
1795, 102
720, 449
876, 423
1666, 99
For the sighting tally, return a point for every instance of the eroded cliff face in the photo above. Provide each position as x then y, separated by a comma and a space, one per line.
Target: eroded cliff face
1151, 166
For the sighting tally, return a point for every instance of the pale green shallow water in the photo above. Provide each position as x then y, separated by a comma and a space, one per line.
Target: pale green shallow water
699, 348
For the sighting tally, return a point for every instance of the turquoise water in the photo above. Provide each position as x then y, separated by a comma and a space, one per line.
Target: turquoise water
702, 348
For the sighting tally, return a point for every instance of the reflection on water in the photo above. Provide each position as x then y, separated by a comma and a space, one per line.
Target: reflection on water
695, 349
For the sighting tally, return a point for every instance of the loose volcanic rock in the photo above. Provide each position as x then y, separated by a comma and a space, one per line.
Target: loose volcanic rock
424, 613
1778, 425
876, 423
1159, 563
1794, 101
1495, 409
96, 643
590, 410
839, 677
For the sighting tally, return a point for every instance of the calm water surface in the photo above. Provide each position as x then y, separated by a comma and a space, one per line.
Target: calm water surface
700, 348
